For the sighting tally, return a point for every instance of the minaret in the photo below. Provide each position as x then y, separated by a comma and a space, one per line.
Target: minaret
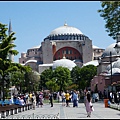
11, 57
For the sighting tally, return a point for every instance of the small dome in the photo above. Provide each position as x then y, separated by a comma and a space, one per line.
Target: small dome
109, 66
117, 63
114, 71
35, 61
64, 63
108, 49
94, 62
65, 30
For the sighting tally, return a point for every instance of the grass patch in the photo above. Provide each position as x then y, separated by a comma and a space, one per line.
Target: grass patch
47, 101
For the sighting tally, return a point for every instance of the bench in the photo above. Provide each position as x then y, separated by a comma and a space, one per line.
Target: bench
13, 109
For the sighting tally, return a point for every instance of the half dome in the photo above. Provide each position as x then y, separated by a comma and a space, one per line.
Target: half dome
64, 63
93, 62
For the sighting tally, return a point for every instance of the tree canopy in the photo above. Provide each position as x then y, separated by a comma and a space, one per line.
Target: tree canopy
111, 14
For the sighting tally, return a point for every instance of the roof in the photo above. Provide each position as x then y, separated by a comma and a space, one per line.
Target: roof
94, 47
64, 63
109, 49
36, 47
114, 70
93, 62
30, 61
51, 64
65, 30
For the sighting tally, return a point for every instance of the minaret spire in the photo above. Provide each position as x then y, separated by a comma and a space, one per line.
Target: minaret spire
10, 28
11, 57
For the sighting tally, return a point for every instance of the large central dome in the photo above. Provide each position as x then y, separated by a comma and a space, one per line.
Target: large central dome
66, 33
65, 30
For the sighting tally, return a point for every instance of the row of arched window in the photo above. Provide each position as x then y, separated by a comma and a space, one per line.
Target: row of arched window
67, 37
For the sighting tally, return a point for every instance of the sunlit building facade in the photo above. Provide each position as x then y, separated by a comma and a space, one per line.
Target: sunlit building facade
65, 41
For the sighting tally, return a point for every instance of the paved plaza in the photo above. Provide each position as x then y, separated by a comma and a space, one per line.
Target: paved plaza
63, 112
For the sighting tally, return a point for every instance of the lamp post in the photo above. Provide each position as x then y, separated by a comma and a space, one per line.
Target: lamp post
111, 72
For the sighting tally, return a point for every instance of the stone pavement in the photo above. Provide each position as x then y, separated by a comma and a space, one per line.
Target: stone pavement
100, 112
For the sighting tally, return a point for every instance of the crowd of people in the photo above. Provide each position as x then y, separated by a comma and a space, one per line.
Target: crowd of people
65, 97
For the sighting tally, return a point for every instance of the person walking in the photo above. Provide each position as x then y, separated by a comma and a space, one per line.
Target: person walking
33, 99
88, 105
63, 98
51, 99
37, 100
67, 96
41, 99
74, 98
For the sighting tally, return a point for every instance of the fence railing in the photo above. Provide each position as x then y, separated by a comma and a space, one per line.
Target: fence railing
33, 116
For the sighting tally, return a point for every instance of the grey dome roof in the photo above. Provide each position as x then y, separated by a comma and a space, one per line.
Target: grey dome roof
65, 30
114, 70
64, 63
117, 64
115, 67
109, 66
35, 61
66, 33
108, 49
93, 62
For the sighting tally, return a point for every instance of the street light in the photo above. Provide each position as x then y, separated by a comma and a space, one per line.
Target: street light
111, 72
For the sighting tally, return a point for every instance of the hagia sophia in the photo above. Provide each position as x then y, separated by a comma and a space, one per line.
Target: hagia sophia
67, 46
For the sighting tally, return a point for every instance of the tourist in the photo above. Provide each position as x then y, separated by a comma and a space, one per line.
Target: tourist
67, 96
41, 99
88, 104
51, 98
63, 98
74, 98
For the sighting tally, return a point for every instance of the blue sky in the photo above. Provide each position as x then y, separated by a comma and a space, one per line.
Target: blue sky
33, 21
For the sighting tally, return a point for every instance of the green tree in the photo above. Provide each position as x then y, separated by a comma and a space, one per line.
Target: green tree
63, 77
34, 81
52, 85
45, 76
6, 65
87, 73
19, 78
111, 14
78, 78
75, 75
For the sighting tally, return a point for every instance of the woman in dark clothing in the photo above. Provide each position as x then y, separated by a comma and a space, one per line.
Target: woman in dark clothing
51, 99
37, 100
